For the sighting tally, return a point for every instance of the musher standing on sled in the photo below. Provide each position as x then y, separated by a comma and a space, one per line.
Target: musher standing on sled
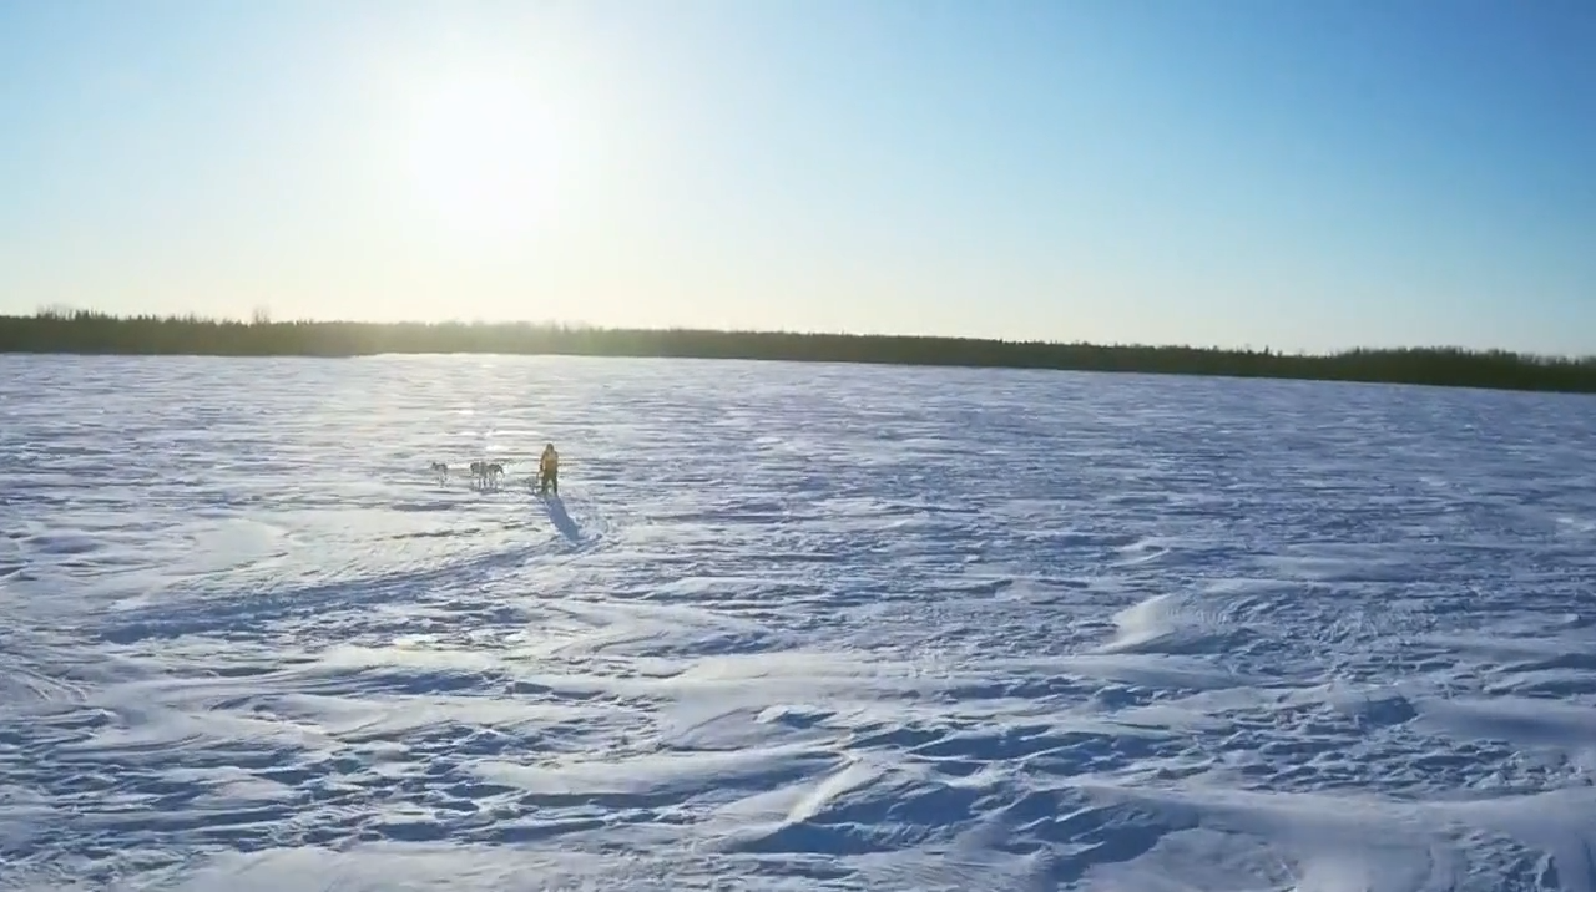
549, 470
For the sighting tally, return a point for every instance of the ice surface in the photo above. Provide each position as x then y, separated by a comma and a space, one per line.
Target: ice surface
791, 626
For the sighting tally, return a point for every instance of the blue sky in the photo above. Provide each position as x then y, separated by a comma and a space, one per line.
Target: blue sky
1305, 175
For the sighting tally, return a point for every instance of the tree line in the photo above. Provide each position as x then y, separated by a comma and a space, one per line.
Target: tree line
90, 332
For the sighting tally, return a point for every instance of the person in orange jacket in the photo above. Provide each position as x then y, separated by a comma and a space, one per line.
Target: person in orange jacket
549, 470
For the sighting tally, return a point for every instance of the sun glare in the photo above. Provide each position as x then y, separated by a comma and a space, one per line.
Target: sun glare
482, 156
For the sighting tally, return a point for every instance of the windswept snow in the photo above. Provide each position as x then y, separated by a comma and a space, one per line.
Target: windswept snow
791, 627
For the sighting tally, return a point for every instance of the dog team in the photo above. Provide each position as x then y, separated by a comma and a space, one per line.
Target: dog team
485, 474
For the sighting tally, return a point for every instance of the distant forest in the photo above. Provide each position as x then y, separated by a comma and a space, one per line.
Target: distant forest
89, 332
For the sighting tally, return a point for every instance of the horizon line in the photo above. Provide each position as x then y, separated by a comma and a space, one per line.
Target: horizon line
261, 318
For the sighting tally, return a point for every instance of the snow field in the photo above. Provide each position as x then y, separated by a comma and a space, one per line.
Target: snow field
790, 627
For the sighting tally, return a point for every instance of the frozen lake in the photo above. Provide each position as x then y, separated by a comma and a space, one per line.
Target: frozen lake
792, 626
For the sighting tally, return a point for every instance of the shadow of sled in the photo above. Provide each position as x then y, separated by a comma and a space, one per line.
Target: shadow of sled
562, 520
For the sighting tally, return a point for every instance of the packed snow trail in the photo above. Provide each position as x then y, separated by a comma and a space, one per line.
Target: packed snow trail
788, 626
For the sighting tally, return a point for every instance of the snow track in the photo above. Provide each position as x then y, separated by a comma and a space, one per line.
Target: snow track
791, 626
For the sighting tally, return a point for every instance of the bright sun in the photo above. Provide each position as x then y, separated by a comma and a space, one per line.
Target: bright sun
482, 156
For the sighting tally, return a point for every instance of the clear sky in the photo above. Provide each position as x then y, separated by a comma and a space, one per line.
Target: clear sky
1304, 174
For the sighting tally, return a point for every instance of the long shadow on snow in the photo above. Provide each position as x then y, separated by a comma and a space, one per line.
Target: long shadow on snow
562, 520
235, 612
